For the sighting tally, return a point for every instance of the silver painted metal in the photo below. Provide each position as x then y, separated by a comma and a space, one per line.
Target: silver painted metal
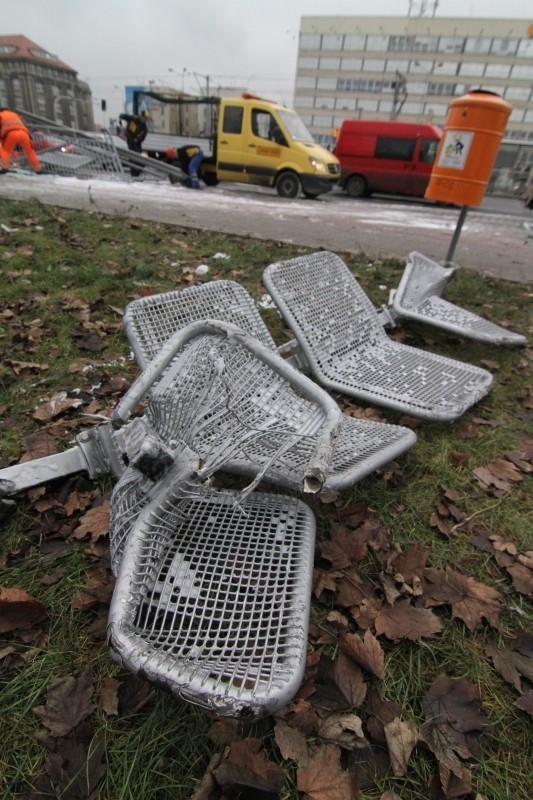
418, 297
341, 336
361, 447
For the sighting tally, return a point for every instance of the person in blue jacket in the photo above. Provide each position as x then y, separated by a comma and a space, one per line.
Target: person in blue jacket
189, 158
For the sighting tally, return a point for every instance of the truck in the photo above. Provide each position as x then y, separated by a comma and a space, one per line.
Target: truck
249, 140
386, 156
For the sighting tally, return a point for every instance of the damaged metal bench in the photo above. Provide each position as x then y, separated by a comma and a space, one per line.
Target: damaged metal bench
347, 349
213, 587
361, 446
418, 297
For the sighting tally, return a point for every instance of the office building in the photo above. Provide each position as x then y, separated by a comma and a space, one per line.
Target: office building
34, 80
410, 68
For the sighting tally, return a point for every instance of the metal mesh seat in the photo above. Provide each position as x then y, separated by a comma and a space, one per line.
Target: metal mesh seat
361, 447
338, 329
212, 598
418, 297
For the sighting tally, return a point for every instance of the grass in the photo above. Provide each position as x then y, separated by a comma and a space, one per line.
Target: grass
68, 275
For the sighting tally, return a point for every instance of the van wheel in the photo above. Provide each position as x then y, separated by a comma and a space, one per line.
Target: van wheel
311, 195
288, 184
356, 186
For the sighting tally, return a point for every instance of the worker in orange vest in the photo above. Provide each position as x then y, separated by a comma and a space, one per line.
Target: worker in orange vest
14, 134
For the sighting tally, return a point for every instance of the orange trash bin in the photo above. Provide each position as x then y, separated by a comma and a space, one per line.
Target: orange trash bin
472, 133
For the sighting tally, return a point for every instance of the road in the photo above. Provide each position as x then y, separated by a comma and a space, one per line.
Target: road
493, 239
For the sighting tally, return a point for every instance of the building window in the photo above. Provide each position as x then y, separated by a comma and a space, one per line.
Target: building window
327, 83
359, 85
367, 104
521, 93
504, 47
41, 97
401, 44
310, 41
497, 70
305, 62
3, 93
425, 44
517, 115
305, 101
374, 65
325, 102
354, 41
330, 63
397, 64
412, 108
439, 89
332, 41
377, 43
451, 44
525, 49
345, 103
477, 45
351, 64
417, 87
305, 83
471, 68
522, 71
445, 68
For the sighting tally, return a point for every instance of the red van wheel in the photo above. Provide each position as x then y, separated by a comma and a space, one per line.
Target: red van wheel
356, 186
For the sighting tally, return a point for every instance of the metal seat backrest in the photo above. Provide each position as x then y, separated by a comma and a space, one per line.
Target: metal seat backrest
422, 278
328, 306
151, 321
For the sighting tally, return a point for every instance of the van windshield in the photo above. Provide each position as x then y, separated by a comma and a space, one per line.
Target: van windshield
295, 126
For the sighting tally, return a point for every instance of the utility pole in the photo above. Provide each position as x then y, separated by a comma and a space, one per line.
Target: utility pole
400, 94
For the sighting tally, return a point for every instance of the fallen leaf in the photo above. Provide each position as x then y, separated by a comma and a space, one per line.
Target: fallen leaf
401, 738
19, 610
291, 742
247, 767
68, 702
94, 522
405, 621
470, 600
324, 778
346, 730
366, 652
109, 696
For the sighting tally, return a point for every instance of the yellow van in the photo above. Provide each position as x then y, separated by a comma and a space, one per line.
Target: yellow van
259, 142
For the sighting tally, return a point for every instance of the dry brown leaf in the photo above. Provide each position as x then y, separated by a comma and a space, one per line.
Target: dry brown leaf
109, 696
324, 778
68, 702
346, 730
56, 406
291, 742
247, 767
511, 665
366, 652
405, 621
19, 610
401, 738
525, 703
95, 522
470, 600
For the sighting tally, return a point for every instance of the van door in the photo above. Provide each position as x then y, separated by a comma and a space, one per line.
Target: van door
265, 143
423, 165
231, 160
393, 164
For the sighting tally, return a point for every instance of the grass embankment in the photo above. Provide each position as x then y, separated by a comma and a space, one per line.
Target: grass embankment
66, 277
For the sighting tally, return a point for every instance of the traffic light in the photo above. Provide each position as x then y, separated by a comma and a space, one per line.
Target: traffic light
103, 105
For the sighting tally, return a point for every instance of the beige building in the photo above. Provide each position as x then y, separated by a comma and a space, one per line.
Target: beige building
32, 79
410, 68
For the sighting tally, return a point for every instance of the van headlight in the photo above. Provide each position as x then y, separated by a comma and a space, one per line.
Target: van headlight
317, 164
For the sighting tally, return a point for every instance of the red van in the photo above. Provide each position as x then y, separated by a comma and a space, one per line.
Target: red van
382, 156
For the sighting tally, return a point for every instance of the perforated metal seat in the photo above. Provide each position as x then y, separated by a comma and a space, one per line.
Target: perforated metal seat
347, 349
418, 297
361, 447
213, 594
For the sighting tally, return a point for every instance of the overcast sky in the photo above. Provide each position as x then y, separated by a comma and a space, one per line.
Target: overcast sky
248, 43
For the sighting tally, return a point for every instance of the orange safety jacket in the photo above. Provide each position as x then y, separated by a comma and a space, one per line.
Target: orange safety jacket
9, 121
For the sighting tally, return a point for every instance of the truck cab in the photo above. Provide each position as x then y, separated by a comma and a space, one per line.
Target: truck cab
259, 142
265, 144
